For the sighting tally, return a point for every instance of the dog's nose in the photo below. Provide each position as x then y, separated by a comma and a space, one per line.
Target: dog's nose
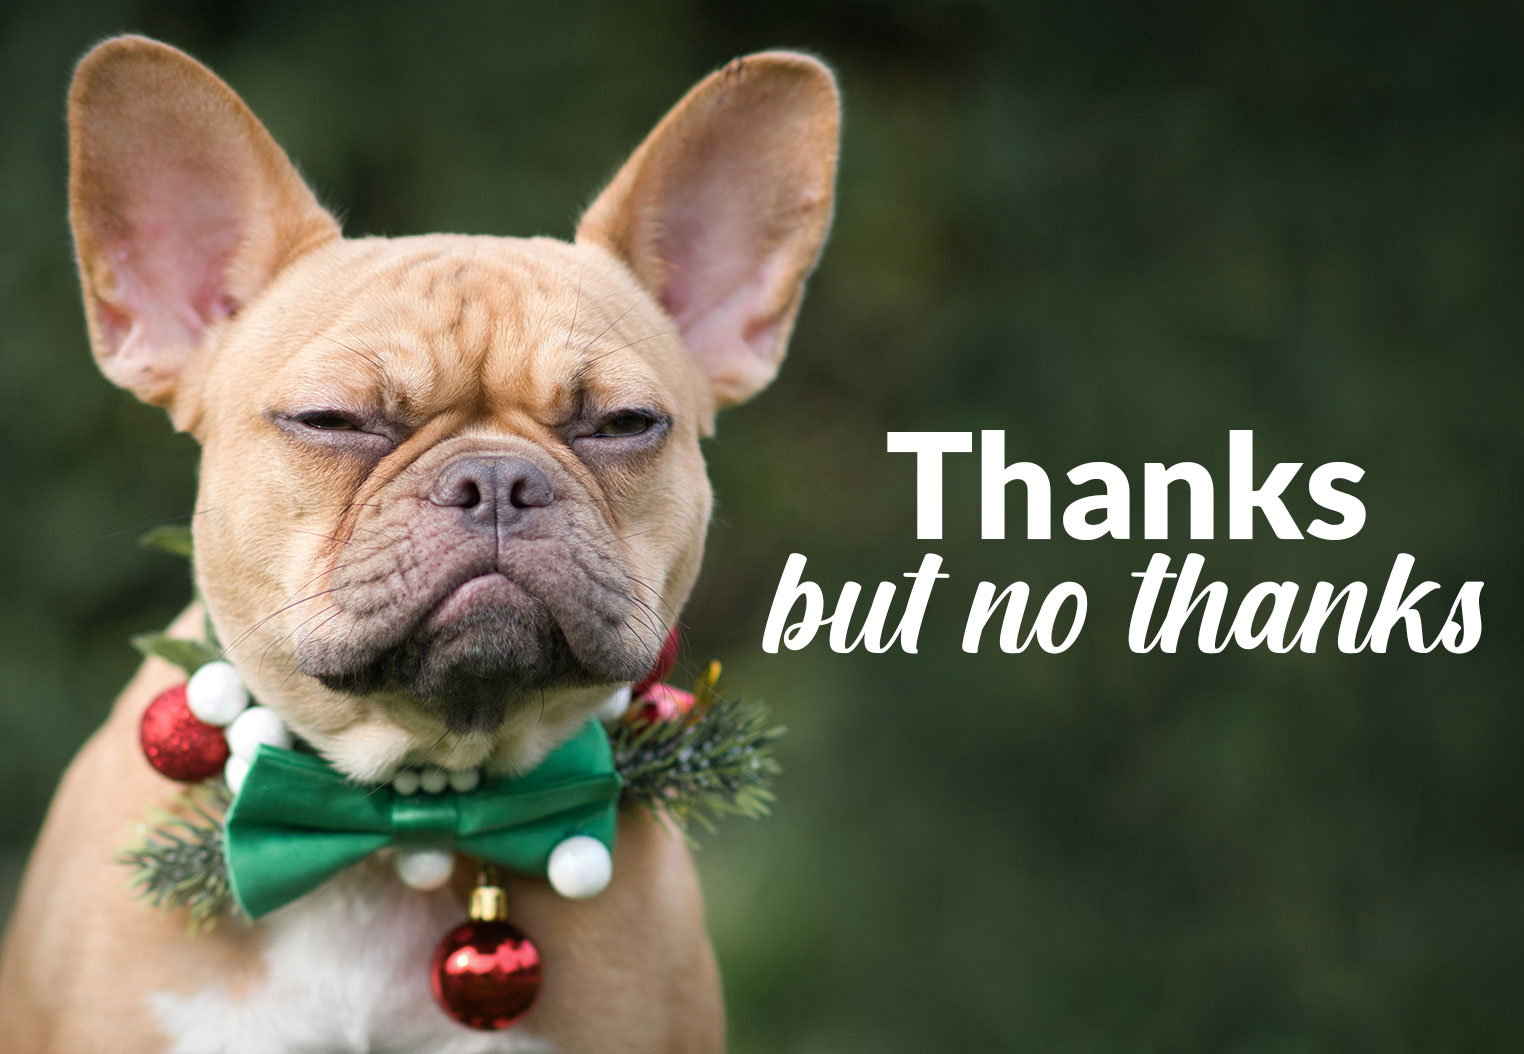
492, 491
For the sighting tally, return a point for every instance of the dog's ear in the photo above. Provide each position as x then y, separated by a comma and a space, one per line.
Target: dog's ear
183, 209
722, 211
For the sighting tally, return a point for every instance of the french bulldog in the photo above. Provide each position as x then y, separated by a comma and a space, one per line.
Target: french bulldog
451, 498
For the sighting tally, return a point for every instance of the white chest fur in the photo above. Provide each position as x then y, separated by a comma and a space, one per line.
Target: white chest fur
346, 973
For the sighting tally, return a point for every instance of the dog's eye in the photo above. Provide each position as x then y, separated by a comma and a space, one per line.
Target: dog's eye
328, 421
623, 423
336, 431
628, 433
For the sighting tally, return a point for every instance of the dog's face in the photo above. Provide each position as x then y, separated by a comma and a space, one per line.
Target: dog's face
451, 490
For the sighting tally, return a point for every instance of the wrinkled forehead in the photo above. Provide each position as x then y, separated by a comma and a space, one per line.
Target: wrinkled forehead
476, 324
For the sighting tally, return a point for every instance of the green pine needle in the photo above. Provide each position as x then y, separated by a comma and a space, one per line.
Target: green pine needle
716, 761
177, 861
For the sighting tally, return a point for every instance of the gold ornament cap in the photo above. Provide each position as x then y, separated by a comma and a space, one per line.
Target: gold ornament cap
489, 904
489, 901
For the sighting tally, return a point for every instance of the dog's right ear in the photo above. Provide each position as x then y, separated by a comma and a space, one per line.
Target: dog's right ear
183, 209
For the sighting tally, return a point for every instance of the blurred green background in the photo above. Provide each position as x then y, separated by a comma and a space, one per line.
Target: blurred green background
1115, 232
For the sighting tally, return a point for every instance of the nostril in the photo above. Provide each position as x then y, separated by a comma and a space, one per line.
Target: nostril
464, 485
492, 489
531, 490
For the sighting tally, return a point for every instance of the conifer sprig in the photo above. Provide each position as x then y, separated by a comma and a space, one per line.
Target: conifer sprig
177, 860
713, 762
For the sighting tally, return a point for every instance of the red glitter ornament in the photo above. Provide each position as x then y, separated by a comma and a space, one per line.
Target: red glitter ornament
177, 743
486, 972
666, 660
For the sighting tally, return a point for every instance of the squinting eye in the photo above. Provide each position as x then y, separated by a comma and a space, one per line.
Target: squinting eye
624, 423
336, 431
328, 422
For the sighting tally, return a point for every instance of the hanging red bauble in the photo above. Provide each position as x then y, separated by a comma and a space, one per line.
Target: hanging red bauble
177, 743
665, 661
486, 972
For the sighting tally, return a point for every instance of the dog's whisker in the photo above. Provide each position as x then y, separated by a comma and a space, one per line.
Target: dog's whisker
227, 649
166, 521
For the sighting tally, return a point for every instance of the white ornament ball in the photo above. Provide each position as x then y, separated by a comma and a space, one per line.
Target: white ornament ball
425, 869
215, 693
580, 867
234, 772
464, 781
406, 782
613, 708
433, 779
256, 725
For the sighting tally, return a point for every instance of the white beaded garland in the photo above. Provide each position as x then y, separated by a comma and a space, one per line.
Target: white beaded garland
234, 772
424, 869
464, 781
256, 725
613, 708
580, 867
406, 782
215, 693
216, 696
433, 779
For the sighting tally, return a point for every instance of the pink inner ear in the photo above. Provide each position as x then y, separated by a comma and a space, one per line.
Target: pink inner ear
723, 266
169, 260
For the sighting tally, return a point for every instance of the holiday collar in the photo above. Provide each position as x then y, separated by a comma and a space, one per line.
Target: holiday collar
262, 824
296, 822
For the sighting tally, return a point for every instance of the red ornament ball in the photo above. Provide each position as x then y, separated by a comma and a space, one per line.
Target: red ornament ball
666, 660
485, 974
177, 743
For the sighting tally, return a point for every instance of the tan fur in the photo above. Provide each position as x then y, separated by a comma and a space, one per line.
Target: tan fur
216, 287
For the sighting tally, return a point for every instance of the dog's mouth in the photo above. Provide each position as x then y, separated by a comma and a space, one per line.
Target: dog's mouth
468, 603
488, 644
477, 595
483, 640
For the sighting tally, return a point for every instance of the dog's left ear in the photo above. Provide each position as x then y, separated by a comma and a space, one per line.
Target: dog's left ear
722, 211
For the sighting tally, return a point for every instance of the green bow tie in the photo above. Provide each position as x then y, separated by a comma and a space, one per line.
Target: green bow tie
296, 822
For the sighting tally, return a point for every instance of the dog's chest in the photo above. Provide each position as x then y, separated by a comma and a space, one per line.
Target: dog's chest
346, 972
